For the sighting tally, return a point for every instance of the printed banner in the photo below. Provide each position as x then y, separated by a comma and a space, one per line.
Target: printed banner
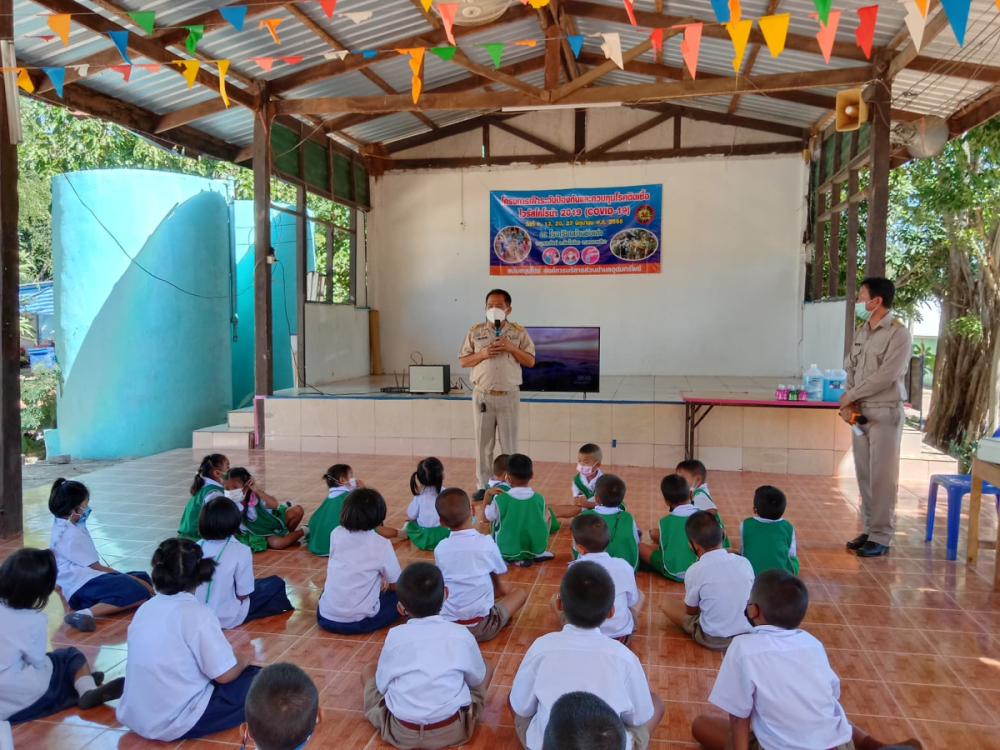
585, 231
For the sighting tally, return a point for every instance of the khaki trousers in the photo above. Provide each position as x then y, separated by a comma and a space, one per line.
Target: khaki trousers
405, 738
500, 416
876, 464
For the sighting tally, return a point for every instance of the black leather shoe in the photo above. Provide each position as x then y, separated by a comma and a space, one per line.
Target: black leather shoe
478, 496
857, 542
873, 549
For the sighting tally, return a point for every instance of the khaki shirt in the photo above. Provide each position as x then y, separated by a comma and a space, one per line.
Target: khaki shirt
878, 362
500, 373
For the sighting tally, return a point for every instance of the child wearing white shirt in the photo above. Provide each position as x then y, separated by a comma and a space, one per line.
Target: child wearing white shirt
428, 689
360, 591
282, 709
233, 593
424, 527
580, 657
582, 721
776, 683
588, 471
716, 588
90, 588
696, 475
35, 684
471, 564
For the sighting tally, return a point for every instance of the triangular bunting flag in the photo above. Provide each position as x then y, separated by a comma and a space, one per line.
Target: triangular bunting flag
721, 8
223, 69
865, 33
328, 6
151, 67
59, 23
915, 22
527, 43
120, 38
190, 70
823, 11
575, 43
417, 87
496, 52
82, 70
125, 70
445, 53
265, 62
359, 16
195, 33
293, 59
235, 15
630, 10
775, 30
144, 19
690, 47
922, 6
24, 80
958, 16
612, 49
735, 11
58, 78
827, 33
427, 4
44, 37
338, 55
416, 57
656, 38
536, 4
447, 11
739, 32
368, 54
272, 26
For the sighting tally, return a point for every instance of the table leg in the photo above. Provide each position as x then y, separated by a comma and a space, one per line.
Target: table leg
975, 504
688, 432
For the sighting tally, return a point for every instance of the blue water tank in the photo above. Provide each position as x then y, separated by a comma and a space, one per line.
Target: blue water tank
142, 264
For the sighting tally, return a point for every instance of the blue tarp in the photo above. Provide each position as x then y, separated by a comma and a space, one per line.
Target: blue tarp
36, 299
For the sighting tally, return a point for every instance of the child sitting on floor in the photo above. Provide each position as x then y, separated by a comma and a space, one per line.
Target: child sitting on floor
359, 595
590, 538
521, 521
90, 588
588, 471
471, 564
580, 657
340, 480
696, 475
582, 721
266, 524
424, 527
716, 588
35, 684
609, 494
499, 478
776, 683
766, 539
428, 689
233, 593
672, 555
207, 484
282, 708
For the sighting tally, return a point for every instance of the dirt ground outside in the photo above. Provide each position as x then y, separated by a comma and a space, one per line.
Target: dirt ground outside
42, 473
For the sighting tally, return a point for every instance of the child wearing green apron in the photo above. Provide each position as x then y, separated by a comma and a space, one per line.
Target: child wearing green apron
207, 484
266, 523
424, 527
521, 520
588, 471
624, 531
768, 540
340, 480
695, 473
672, 555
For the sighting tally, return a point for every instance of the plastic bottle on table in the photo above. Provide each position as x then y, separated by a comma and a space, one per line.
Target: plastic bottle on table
812, 382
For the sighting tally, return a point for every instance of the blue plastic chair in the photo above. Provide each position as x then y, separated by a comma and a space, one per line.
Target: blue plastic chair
957, 486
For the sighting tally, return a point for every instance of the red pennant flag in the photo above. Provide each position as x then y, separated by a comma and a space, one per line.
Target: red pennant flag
151, 67
865, 33
630, 10
125, 70
690, 47
293, 59
656, 37
447, 11
265, 62
328, 6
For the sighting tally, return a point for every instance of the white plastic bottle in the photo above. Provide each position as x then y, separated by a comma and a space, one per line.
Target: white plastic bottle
812, 381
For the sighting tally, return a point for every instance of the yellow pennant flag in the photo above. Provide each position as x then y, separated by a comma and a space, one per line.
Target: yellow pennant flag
739, 32
775, 30
426, 4
223, 68
24, 81
190, 70
59, 23
539, 3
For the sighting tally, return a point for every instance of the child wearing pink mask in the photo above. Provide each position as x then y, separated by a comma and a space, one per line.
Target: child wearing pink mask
588, 468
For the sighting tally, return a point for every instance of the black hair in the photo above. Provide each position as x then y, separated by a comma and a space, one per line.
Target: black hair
28, 578
65, 495
769, 502
420, 589
879, 286
506, 295
500, 464
590, 530
675, 490
208, 463
219, 518
782, 597
281, 707
703, 529
178, 566
519, 467
429, 473
587, 594
582, 721
239, 474
609, 490
591, 450
336, 474
453, 507
363, 510
693, 466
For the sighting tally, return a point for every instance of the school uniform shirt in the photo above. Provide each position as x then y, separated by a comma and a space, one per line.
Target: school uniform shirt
578, 659
175, 649
604, 510
626, 592
719, 584
422, 508
426, 667
769, 543
492, 511
702, 498
359, 560
75, 552
589, 482
25, 670
782, 680
466, 559
233, 578
491, 483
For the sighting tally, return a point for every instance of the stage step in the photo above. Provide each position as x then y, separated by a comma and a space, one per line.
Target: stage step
223, 436
242, 418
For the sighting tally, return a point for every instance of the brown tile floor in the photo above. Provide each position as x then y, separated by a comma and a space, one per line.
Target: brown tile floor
911, 635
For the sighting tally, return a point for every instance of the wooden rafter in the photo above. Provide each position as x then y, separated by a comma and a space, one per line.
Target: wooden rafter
978, 111
553, 56
935, 25
619, 139
955, 69
493, 74
528, 137
772, 7
566, 25
736, 121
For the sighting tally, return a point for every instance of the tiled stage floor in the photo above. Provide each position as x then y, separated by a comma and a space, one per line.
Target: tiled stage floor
911, 636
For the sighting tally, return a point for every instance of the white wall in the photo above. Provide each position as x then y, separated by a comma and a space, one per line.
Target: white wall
823, 329
337, 346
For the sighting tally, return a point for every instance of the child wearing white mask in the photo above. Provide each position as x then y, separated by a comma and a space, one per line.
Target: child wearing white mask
340, 479
266, 523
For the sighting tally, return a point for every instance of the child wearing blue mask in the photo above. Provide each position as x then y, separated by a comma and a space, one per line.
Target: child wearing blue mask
91, 588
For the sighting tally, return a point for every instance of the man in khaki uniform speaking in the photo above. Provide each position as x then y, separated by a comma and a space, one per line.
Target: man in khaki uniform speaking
876, 369
495, 350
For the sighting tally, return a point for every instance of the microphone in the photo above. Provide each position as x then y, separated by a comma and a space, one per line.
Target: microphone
496, 327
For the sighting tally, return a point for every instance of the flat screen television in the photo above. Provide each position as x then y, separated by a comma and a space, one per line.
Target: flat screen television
567, 360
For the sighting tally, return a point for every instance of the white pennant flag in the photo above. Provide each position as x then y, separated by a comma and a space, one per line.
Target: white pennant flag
360, 16
82, 70
338, 55
914, 22
612, 48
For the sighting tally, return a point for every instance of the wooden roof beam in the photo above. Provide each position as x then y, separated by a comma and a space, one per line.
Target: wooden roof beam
955, 69
772, 7
977, 112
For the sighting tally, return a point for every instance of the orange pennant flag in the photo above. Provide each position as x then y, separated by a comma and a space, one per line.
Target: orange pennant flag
190, 70
151, 67
265, 62
447, 11
24, 80
827, 34
922, 6
416, 57
223, 68
533, 42
125, 70
418, 86
59, 23
272, 26
735, 11
690, 46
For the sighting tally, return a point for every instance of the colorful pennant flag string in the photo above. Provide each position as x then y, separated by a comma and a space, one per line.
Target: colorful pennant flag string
823, 11
690, 46
83, 71
656, 38
865, 33
144, 19
427, 4
827, 33
59, 23
721, 10
339, 54
612, 49
58, 78
223, 69
195, 33
915, 22
291, 59
575, 43
445, 53
120, 38
958, 16
125, 70
235, 15
735, 11
416, 59
190, 70
495, 49
359, 16
151, 67
775, 30
739, 32
272, 26
447, 11
630, 10
328, 7
265, 62
527, 43
24, 81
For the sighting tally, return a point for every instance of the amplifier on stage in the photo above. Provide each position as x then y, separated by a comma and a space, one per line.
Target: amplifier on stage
430, 379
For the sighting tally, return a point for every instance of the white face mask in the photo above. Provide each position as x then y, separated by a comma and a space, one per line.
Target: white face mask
235, 495
495, 314
352, 483
584, 470
861, 310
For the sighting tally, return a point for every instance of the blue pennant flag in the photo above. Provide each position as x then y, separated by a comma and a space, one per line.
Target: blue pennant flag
369, 53
721, 8
235, 15
958, 16
575, 44
120, 38
58, 77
